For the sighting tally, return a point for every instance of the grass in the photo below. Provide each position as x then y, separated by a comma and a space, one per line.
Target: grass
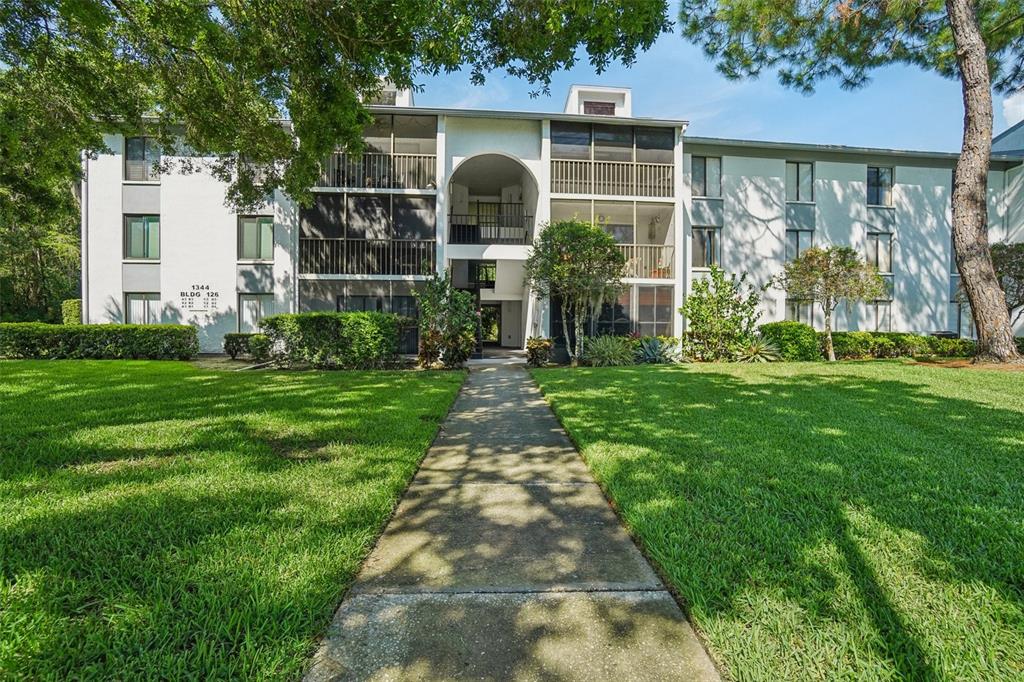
165, 521
849, 521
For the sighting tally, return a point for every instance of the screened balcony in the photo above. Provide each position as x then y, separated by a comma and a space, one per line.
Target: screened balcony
491, 223
400, 153
493, 201
367, 256
612, 160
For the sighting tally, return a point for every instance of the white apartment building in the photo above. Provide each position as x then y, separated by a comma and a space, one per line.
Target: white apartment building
468, 190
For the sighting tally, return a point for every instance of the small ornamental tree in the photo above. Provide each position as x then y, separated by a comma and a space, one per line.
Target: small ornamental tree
447, 323
721, 314
578, 263
828, 276
1008, 260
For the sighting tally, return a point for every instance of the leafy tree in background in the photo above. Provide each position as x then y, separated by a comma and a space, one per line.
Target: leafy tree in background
579, 264
1008, 260
979, 42
721, 314
829, 276
447, 323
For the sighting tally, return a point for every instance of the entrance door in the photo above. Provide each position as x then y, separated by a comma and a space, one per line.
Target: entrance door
490, 323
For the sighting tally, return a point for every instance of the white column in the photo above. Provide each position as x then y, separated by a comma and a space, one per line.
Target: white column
681, 191
441, 203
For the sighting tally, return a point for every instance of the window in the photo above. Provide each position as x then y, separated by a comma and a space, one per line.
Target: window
614, 318
799, 181
141, 154
654, 310
963, 320
655, 145
800, 311
599, 108
570, 140
377, 135
882, 311
252, 308
415, 134
613, 143
705, 247
368, 216
255, 238
798, 241
414, 217
142, 308
142, 237
879, 186
707, 176
361, 303
408, 332
483, 273
880, 251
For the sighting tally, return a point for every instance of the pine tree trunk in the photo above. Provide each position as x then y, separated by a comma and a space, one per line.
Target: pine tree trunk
565, 332
970, 187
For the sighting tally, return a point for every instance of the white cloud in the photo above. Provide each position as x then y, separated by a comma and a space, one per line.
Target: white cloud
1013, 108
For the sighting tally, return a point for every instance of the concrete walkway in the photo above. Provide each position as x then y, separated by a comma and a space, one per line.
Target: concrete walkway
505, 562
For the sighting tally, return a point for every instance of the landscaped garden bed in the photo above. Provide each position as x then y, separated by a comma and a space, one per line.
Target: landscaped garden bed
821, 521
162, 520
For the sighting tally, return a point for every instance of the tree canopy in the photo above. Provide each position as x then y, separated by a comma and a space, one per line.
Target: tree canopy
1008, 260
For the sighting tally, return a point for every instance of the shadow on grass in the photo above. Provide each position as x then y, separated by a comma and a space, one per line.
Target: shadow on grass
164, 521
882, 503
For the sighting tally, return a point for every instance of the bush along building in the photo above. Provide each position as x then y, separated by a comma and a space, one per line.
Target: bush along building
468, 190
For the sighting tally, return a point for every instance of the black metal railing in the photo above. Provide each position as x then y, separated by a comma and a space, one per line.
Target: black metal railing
367, 256
490, 229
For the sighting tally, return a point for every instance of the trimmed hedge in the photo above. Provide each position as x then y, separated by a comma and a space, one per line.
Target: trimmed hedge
795, 340
862, 345
71, 311
256, 346
354, 340
36, 340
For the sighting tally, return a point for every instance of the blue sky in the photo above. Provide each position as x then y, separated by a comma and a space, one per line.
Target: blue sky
902, 107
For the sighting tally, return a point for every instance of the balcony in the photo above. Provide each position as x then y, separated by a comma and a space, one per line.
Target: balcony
612, 178
380, 171
475, 228
367, 256
649, 261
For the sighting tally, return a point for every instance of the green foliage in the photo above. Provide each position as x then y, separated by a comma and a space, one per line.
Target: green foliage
848, 345
721, 313
952, 348
168, 510
795, 341
837, 507
829, 276
1020, 344
448, 323
657, 350
579, 264
758, 350
30, 340
608, 351
71, 311
236, 344
259, 347
1008, 260
538, 351
863, 345
807, 42
354, 340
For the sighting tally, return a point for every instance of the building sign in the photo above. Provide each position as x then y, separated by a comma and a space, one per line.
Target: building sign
199, 298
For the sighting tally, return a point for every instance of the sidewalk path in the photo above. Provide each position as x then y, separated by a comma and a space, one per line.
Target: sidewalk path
505, 562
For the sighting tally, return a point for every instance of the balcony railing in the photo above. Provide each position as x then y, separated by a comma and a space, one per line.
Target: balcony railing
649, 261
474, 228
616, 178
367, 256
387, 171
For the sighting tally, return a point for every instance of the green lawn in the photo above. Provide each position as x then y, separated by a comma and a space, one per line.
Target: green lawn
856, 521
161, 520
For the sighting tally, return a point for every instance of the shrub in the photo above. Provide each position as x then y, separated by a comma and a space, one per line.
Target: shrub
951, 348
1020, 344
236, 344
657, 350
608, 351
907, 345
71, 311
448, 323
259, 347
721, 313
354, 340
848, 345
883, 347
538, 351
98, 341
758, 350
794, 340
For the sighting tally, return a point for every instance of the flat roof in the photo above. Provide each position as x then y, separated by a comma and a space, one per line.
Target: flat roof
834, 148
529, 115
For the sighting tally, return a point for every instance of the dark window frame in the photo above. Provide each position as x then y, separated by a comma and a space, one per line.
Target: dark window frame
879, 193
150, 159
127, 307
126, 251
700, 180
800, 167
716, 246
260, 220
